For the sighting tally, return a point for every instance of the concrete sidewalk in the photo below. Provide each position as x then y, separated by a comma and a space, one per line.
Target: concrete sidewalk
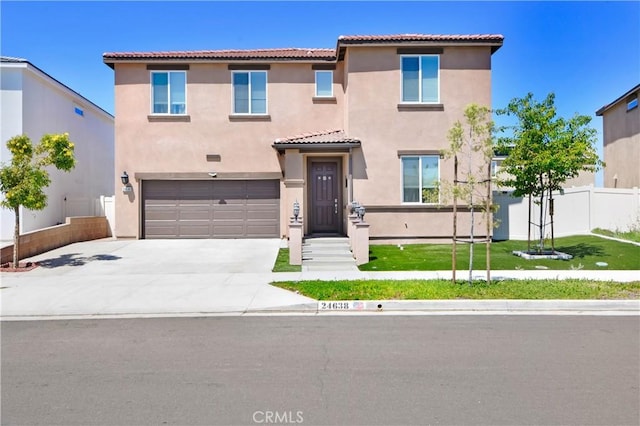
113, 278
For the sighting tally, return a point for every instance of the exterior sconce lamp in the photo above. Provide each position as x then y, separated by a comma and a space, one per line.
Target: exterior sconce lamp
354, 207
125, 181
296, 211
361, 212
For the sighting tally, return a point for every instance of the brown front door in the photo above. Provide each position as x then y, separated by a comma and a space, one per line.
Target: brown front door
326, 199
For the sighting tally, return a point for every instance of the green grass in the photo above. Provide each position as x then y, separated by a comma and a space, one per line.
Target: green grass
586, 251
282, 262
633, 235
441, 289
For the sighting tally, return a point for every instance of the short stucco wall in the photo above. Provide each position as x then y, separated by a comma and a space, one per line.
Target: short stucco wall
75, 229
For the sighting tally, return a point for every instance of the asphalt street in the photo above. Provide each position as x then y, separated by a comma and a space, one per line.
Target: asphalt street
391, 370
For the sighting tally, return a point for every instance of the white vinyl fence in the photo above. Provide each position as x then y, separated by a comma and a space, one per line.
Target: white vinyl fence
578, 211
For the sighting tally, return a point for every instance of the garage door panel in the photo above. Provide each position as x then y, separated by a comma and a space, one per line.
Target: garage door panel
186, 215
163, 230
269, 215
194, 230
211, 209
229, 230
160, 215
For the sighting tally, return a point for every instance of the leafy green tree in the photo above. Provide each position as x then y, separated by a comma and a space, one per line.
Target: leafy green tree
472, 143
23, 180
544, 152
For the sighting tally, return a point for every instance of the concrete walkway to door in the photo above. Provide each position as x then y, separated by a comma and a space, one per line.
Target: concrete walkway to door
147, 277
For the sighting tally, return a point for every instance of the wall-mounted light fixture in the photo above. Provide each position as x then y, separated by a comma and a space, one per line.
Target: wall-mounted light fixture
296, 211
124, 178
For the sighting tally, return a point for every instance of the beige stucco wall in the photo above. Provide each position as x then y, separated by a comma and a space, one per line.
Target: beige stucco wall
244, 145
621, 135
367, 88
375, 118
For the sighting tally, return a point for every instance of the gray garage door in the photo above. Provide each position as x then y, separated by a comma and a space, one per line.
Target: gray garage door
211, 209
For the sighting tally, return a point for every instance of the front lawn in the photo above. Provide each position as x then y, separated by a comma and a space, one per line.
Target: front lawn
282, 262
441, 289
586, 251
632, 235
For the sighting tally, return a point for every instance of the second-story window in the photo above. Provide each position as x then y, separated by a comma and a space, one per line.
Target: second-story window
168, 92
420, 78
324, 84
249, 92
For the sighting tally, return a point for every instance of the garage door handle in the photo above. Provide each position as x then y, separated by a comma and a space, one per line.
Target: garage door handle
335, 206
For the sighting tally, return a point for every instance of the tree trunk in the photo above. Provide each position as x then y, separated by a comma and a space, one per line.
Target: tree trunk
471, 244
529, 228
553, 244
489, 219
468, 179
455, 218
16, 238
541, 223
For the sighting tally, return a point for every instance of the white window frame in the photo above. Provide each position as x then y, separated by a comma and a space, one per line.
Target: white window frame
168, 91
420, 101
266, 92
331, 86
419, 157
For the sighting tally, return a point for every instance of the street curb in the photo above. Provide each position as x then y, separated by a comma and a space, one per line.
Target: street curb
493, 305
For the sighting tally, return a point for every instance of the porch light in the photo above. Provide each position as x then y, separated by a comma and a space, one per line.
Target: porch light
124, 178
296, 210
354, 207
361, 212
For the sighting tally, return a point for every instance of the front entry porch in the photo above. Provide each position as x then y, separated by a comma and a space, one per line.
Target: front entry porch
317, 171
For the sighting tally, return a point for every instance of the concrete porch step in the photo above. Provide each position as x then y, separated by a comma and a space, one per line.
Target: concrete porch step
327, 254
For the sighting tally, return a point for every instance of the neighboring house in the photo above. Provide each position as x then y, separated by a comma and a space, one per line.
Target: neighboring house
222, 143
34, 103
621, 140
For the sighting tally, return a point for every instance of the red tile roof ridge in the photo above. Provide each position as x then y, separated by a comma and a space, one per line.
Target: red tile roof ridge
418, 36
309, 134
222, 51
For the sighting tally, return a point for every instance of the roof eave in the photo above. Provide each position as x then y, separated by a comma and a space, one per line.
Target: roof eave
328, 146
464, 43
112, 61
610, 105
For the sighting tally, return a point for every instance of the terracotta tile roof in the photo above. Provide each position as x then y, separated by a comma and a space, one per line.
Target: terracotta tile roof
301, 54
254, 54
320, 137
393, 38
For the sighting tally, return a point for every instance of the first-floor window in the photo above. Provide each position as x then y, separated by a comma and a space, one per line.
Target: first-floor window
250, 92
168, 92
420, 176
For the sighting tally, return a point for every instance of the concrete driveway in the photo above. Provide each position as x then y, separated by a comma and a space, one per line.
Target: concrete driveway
148, 277
131, 257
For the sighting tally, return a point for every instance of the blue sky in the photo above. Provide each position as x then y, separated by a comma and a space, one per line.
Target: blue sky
585, 52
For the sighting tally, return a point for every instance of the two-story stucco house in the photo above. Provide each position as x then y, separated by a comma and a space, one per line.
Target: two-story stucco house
35, 103
222, 143
621, 140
